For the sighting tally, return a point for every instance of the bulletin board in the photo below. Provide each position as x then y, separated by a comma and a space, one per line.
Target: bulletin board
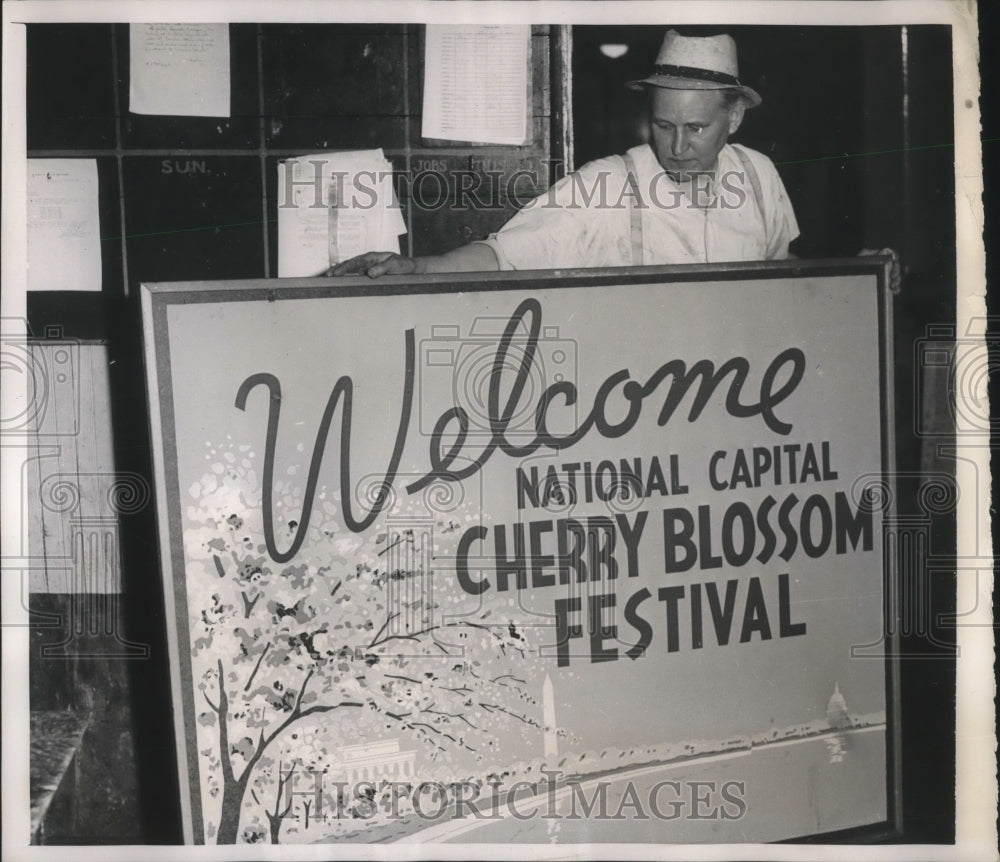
187, 197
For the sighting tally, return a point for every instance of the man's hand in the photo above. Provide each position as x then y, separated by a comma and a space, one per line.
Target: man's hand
475, 257
895, 278
375, 263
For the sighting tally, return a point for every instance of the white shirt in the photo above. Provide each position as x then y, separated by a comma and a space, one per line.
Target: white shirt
584, 219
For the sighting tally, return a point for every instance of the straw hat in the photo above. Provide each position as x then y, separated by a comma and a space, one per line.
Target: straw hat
697, 63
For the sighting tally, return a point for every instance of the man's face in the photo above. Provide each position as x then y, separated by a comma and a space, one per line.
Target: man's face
689, 127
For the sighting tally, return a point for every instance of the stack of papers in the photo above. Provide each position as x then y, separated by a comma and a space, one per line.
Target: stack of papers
333, 206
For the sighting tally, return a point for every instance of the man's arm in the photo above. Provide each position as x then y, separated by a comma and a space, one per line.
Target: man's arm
474, 257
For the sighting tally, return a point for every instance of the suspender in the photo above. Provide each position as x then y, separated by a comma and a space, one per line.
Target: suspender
634, 212
751, 172
635, 202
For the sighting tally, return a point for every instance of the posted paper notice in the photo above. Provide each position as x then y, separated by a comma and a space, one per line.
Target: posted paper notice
64, 243
333, 206
179, 69
476, 83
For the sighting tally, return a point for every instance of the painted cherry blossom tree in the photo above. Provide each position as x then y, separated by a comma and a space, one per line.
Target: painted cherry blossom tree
350, 630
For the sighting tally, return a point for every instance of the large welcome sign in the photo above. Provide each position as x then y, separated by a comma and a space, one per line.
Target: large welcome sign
539, 558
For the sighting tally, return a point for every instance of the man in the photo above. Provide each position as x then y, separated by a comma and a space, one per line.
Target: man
687, 196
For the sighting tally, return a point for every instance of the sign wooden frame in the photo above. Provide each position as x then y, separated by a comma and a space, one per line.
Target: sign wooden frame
179, 317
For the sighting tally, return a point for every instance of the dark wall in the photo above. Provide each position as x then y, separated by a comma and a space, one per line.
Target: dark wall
81, 663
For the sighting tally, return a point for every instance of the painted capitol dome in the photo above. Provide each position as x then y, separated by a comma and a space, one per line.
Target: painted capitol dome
836, 709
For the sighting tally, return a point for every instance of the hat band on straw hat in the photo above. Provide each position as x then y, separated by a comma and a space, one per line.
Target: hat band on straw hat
696, 74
